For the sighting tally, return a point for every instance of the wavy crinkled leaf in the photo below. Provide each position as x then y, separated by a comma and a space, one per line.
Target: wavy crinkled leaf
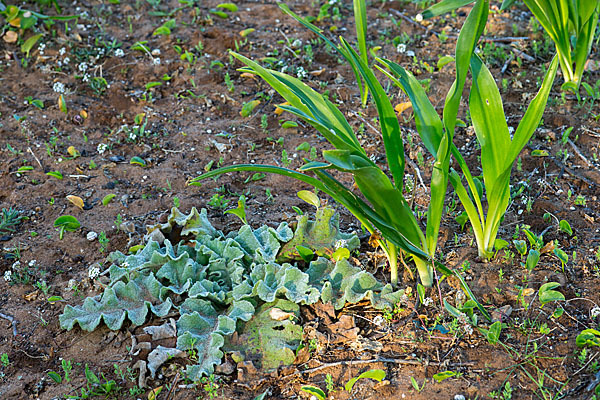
263, 243
123, 300
275, 342
272, 280
128, 265
341, 283
180, 271
206, 289
203, 333
321, 235
195, 223
224, 260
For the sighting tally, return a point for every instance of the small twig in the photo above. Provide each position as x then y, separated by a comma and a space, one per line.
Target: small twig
586, 364
578, 152
12, 321
375, 360
173, 384
590, 132
506, 39
415, 23
508, 61
36, 159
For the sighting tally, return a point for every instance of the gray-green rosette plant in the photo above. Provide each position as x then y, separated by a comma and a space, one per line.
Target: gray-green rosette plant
219, 284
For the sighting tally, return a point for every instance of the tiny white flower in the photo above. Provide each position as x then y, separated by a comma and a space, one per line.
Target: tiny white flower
82, 67
156, 61
410, 53
378, 320
119, 53
59, 87
156, 52
72, 284
401, 48
340, 243
101, 148
62, 51
427, 301
16, 265
93, 272
67, 60
32, 263
419, 18
125, 264
8, 275
594, 312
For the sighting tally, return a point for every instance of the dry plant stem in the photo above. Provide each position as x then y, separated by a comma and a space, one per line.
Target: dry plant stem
173, 385
376, 360
578, 152
36, 159
12, 321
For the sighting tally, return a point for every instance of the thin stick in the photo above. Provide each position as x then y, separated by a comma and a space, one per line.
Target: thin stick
590, 132
36, 159
12, 321
578, 152
375, 360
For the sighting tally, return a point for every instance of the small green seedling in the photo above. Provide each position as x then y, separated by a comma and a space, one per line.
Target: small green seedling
532, 259
521, 246
440, 376
493, 334
138, 161
377, 374
548, 295
562, 256
588, 337
108, 198
29, 43
565, 227
240, 210
55, 174
66, 223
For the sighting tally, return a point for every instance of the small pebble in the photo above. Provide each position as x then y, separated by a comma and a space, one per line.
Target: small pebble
91, 236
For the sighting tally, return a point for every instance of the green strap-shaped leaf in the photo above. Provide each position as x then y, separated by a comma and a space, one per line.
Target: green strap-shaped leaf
444, 6
427, 120
360, 20
390, 129
489, 122
465, 45
309, 105
339, 49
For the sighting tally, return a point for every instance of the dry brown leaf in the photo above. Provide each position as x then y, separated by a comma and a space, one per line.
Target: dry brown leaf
279, 315
400, 108
278, 110
76, 200
32, 296
15, 22
247, 75
73, 152
10, 37
548, 248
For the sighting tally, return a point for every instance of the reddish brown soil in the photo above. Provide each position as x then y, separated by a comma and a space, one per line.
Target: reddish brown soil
194, 119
